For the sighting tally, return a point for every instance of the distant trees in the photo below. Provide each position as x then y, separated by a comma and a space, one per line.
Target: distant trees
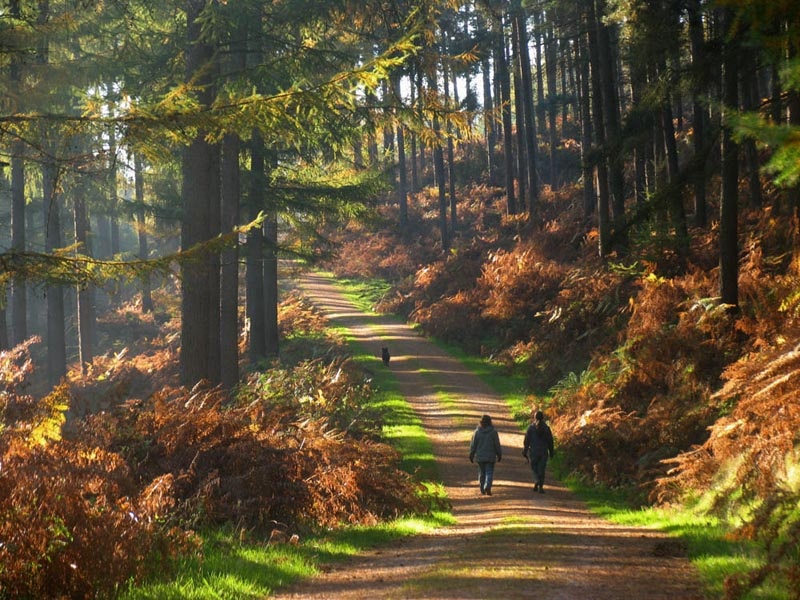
650, 91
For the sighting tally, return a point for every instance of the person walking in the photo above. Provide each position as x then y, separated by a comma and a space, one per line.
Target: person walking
485, 448
537, 447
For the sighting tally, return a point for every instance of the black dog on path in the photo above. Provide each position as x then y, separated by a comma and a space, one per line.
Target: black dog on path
385, 356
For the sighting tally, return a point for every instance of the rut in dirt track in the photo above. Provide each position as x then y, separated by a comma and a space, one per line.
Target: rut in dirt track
514, 544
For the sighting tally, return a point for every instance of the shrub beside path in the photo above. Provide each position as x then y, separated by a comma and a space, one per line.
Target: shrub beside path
514, 544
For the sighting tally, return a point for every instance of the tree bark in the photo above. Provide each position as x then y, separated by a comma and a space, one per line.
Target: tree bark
200, 350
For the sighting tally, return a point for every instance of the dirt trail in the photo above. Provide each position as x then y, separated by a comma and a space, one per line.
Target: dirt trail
514, 544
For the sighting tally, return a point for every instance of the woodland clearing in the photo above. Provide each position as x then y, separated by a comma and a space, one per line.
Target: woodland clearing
514, 544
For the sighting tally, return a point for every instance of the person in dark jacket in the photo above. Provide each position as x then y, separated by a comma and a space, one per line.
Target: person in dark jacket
485, 448
537, 447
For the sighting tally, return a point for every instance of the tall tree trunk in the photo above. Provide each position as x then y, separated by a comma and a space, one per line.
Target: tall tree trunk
451, 162
402, 178
519, 111
141, 226
541, 114
611, 122
439, 173
489, 129
229, 274
551, 62
697, 39
255, 253
56, 336
200, 350
603, 209
271, 337
587, 156
19, 291
115, 288
503, 75
85, 294
526, 93
728, 221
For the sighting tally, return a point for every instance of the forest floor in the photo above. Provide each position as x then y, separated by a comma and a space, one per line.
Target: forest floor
513, 544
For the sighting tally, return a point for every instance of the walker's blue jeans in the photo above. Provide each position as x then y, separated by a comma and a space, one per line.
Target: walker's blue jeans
486, 476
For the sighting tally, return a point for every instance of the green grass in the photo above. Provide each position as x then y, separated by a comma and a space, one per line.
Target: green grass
233, 569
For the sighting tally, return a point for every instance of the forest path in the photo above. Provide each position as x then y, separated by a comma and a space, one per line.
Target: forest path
514, 544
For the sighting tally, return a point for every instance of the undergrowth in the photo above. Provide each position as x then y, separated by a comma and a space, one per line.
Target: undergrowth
107, 480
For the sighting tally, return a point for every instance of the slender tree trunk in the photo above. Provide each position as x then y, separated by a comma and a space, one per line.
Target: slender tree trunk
489, 129
200, 301
611, 120
728, 222
85, 295
439, 172
271, 331
256, 313
603, 221
229, 274
402, 178
541, 114
505, 98
519, 111
271, 338
115, 289
19, 291
550, 54
56, 336
141, 225
451, 162
697, 39
526, 93
587, 158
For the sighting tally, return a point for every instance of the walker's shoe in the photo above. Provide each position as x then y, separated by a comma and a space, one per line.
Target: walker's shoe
541, 489
535, 487
483, 492
488, 492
